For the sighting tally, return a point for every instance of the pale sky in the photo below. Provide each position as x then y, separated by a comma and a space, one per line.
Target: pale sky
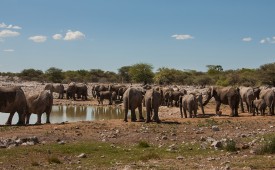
109, 34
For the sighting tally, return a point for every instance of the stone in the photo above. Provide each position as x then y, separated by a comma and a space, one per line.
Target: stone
180, 158
215, 128
164, 138
82, 155
216, 144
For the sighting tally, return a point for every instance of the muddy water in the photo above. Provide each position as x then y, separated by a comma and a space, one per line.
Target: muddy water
73, 114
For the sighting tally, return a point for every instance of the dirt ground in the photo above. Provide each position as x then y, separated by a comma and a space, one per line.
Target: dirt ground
248, 131
173, 130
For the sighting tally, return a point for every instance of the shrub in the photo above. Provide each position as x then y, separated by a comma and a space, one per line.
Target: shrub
267, 148
54, 160
143, 144
230, 146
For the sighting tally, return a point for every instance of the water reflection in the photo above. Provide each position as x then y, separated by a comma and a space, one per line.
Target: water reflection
73, 113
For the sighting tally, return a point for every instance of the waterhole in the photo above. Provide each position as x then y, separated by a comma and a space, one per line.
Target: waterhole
73, 114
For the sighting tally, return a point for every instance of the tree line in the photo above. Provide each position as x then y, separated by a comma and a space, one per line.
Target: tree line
143, 73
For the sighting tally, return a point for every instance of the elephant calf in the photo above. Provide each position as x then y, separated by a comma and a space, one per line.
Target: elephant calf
188, 102
152, 100
38, 104
259, 105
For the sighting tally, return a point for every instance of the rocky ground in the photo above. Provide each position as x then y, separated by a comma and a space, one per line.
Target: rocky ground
198, 143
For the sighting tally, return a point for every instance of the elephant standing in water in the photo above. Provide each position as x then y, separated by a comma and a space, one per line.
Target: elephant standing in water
12, 99
224, 95
132, 99
152, 100
57, 88
39, 104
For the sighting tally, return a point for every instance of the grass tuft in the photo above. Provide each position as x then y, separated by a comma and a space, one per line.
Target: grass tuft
149, 156
54, 159
267, 148
143, 144
230, 146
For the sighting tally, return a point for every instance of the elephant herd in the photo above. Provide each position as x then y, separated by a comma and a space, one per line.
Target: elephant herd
13, 99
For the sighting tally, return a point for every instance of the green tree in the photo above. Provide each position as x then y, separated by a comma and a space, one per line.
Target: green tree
123, 73
267, 74
31, 75
54, 75
141, 72
214, 69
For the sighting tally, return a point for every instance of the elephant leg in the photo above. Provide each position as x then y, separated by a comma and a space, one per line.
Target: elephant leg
38, 122
185, 114
195, 113
218, 104
241, 103
190, 112
140, 112
48, 117
236, 107
156, 115
28, 118
133, 115
10, 119
202, 109
148, 114
248, 108
181, 112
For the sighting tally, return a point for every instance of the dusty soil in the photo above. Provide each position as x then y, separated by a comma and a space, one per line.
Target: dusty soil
173, 130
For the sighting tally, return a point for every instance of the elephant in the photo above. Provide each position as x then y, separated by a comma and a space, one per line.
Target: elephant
188, 102
269, 97
13, 99
175, 96
39, 104
97, 89
258, 105
246, 95
105, 95
120, 93
224, 95
78, 89
132, 99
57, 88
165, 95
152, 100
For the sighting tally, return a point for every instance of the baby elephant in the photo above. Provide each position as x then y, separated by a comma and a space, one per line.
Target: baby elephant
38, 104
259, 105
188, 102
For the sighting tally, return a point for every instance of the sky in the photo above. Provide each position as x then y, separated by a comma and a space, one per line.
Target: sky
109, 34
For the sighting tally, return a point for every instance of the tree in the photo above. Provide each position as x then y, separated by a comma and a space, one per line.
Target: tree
214, 69
123, 73
54, 74
267, 74
141, 72
31, 75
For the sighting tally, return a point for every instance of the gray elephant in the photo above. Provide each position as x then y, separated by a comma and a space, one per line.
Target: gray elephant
269, 97
259, 105
57, 88
132, 99
12, 99
78, 89
224, 95
118, 89
188, 102
174, 96
105, 95
39, 104
98, 88
152, 100
246, 95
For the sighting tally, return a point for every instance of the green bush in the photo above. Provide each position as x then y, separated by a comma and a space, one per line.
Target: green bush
268, 147
230, 146
143, 144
